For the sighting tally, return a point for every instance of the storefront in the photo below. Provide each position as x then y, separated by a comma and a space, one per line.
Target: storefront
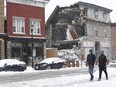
22, 49
96, 47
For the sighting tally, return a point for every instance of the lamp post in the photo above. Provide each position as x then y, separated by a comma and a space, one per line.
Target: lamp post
32, 45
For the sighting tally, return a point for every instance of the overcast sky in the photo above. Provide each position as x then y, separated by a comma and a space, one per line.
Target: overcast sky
111, 4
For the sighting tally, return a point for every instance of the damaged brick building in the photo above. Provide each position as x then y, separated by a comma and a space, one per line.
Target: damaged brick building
82, 24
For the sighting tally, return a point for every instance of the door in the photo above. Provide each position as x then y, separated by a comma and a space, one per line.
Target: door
16, 53
25, 52
97, 48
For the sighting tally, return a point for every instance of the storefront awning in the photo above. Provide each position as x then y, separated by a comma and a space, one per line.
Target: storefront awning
18, 39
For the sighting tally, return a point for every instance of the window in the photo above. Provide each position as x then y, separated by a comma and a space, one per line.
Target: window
96, 13
18, 25
35, 25
105, 16
96, 33
105, 33
85, 11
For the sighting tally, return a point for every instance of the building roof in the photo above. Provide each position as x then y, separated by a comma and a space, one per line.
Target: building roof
52, 16
93, 5
58, 8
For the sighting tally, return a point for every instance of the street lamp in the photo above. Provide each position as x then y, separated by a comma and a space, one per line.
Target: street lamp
32, 45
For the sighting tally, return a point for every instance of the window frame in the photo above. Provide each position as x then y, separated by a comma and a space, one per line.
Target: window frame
85, 12
35, 26
96, 32
105, 33
105, 16
17, 24
96, 14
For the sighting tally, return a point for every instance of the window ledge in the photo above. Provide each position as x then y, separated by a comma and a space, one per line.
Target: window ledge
18, 33
35, 34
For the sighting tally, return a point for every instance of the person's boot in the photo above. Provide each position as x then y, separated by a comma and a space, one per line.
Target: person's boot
92, 78
99, 80
106, 78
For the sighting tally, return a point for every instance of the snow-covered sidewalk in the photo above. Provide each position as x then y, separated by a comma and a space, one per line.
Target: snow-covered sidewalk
69, 81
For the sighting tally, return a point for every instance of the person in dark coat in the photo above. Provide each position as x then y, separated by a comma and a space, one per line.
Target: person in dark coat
90, 61
102, 61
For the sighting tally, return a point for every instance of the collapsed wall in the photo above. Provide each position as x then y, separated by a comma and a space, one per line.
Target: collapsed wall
68, 25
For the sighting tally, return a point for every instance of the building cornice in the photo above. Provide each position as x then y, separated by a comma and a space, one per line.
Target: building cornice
38, 3
25, 39
93, 5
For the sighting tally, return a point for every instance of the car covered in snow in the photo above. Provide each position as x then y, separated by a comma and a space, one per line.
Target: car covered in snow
51, 63
12, 65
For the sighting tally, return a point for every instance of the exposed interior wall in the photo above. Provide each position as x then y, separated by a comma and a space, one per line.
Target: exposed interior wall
69, 21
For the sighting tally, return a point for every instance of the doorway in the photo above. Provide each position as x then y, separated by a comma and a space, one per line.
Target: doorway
25, 53
97, 48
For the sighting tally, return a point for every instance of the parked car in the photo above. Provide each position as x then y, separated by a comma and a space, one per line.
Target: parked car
12, 65
51, 63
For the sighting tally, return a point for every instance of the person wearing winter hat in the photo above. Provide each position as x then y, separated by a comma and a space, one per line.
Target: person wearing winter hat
102, 61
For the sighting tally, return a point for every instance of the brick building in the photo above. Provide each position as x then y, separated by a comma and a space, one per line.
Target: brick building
113, 41
25, 29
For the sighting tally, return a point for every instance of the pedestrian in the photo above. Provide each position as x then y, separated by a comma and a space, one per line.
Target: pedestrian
90, 62
102, 61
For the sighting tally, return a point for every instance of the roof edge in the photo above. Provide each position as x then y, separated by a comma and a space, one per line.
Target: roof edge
91, 4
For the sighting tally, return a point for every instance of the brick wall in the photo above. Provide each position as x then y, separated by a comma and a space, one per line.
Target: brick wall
113, 42
26, 11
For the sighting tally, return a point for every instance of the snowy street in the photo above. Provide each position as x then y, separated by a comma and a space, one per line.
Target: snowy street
42, 74
69, 80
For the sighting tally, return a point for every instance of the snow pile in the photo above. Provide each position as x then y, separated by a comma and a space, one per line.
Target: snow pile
29, 70
69, 54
